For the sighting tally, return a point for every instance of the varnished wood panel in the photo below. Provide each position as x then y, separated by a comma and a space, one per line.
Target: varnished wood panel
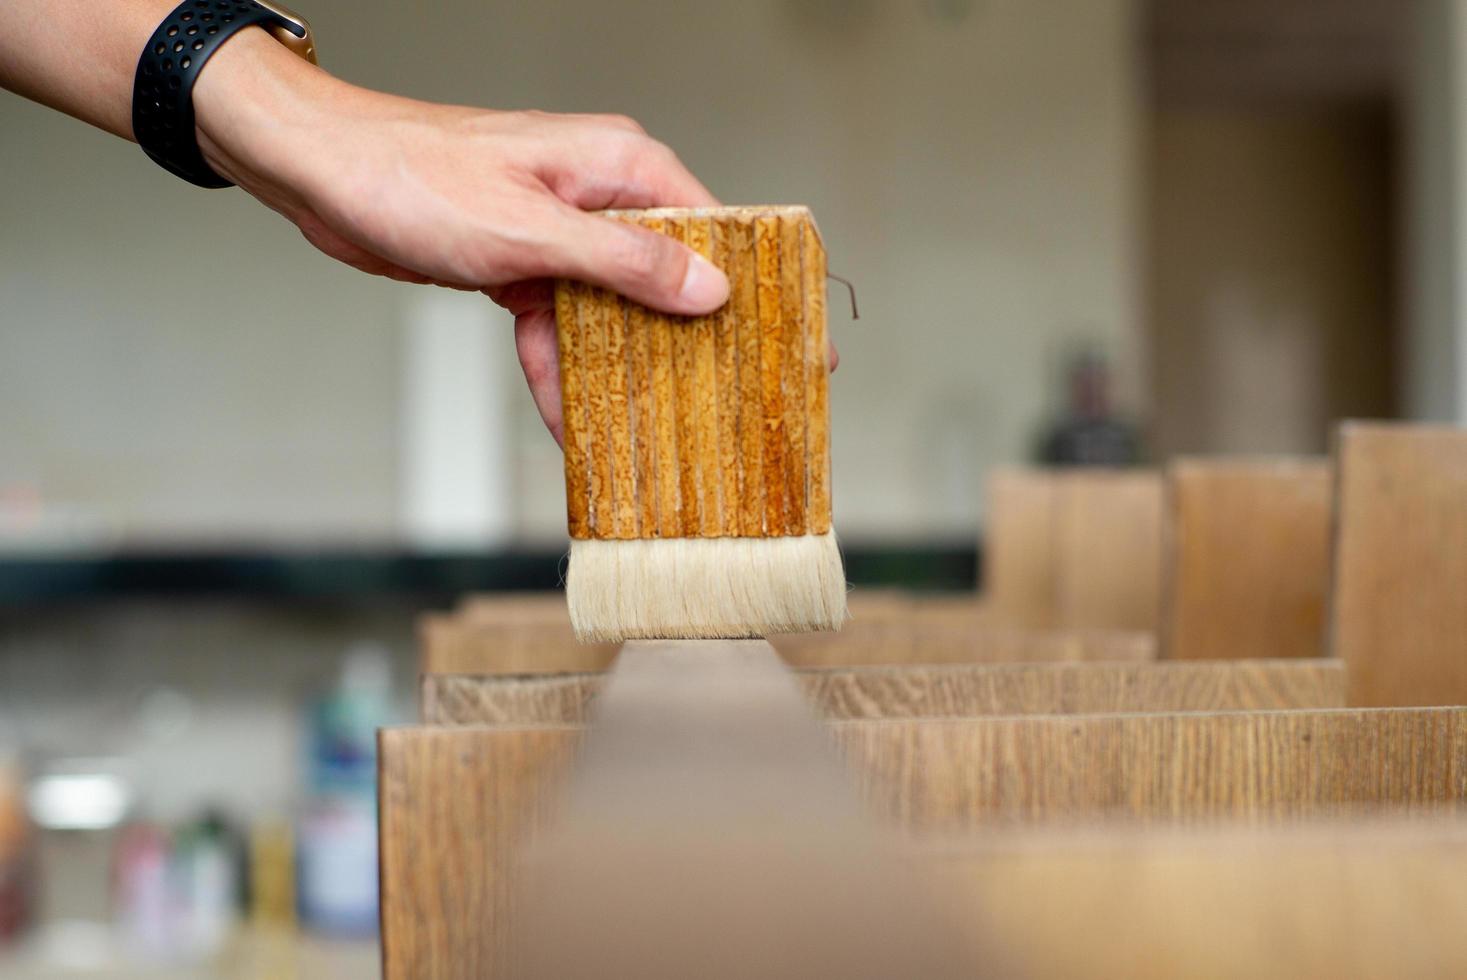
450, 647
1074, 548
657, 443
1247, 555
706, 803
930, 691
952, 774
1383, 899
452, 814
1399, 618
459, 803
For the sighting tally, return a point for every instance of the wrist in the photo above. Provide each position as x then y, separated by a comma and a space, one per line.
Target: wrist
255, 105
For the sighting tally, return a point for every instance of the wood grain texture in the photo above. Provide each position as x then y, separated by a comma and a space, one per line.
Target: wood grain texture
705, 804
792, 310
743, 278
597, 388
772, 353
664, 411
705, 390
725, 415
817, 378
451, 818
1381, 898
459, 803
1078, 549
1247, 557
1399, 618
448, 646
688, 400
619, 413
726, 382
577, 436
643, 414
956, 774
932, 691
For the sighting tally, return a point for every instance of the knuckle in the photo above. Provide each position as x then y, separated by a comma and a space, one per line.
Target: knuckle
627, 123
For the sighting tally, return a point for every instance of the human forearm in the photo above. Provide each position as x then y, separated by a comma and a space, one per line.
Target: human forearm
78, 56
471, 198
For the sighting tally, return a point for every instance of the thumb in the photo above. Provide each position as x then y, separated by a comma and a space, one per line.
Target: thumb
642, 265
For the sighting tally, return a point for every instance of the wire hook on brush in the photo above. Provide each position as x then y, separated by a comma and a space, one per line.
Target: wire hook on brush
855, 313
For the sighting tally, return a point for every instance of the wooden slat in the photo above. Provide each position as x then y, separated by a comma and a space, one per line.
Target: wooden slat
449, 647
1247, 557
931, 691
1399, 615
1328, 899
1019, 548
453, 813
707, 831
459, 803
952, 774
1075, 548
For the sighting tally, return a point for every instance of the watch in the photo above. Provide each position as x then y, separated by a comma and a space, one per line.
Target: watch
162, 89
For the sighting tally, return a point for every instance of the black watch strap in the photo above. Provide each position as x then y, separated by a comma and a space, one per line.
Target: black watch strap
162, 90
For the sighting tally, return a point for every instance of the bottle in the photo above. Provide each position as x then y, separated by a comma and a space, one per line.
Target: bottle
338, 832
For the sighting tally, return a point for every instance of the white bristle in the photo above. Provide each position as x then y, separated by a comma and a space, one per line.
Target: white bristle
701, 588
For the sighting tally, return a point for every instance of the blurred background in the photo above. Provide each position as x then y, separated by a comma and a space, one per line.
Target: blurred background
232, 471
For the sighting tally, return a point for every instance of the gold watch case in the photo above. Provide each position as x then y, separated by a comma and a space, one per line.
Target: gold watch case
297, 37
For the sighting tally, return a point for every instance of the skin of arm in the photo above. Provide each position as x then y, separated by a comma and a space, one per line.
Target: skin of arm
462, 197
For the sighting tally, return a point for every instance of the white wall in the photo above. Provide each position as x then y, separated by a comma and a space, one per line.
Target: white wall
181, 363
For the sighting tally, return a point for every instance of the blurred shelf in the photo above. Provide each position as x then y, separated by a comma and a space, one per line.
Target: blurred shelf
368, 574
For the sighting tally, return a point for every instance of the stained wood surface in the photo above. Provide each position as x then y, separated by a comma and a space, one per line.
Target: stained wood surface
458, 804
450, 646
1399, 617
1074, 548
931, 691
1382, 899
707, 830
453, 817
712, 426
1247, 558
955, 774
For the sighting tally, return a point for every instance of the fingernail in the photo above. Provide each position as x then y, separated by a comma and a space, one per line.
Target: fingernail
705, 287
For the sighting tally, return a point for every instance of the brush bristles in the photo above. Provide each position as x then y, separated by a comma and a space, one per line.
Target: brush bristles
704, 588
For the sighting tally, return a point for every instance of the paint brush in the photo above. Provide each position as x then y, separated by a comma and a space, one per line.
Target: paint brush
697, 449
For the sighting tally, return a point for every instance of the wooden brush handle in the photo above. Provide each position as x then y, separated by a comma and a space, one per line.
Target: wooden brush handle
712, 426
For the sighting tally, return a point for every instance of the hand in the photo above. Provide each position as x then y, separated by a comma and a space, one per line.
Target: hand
468, 198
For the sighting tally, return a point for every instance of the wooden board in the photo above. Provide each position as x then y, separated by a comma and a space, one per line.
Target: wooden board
931, 691
1399, 617
449, 646
954, 774
457, 804
1074, 548
705, 810
452, 814
1382, 899
1247, 558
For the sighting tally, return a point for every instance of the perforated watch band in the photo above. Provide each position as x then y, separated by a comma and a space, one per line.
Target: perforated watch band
162, 94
